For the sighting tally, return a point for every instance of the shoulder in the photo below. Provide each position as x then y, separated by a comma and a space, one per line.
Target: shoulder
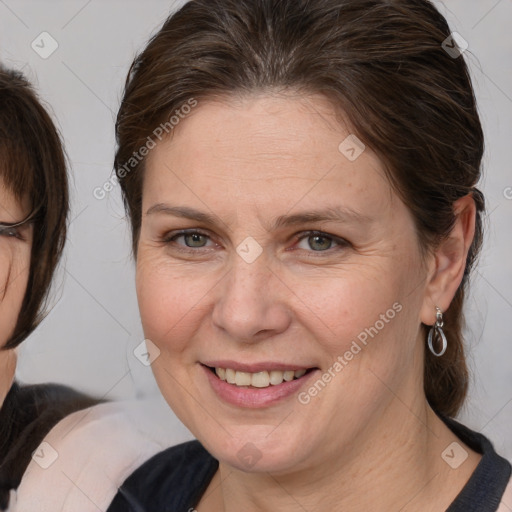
506, 502
171, 480
27, 415
489, 485
86, 457
180, 461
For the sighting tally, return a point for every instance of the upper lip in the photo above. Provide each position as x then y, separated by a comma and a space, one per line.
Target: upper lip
255, 367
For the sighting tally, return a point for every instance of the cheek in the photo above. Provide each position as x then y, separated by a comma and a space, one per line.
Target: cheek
171, 302
366, 304
5, 271
14, 272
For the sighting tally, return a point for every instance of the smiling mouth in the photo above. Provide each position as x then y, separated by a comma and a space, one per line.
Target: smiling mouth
263, 379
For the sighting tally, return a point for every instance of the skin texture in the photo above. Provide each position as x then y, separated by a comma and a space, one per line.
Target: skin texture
15, 246
368, 440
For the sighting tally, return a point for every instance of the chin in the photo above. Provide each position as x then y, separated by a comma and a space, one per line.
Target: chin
255, 452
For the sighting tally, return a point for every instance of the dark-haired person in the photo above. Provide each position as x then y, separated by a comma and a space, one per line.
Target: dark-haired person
303, 239
33, 215
97, 445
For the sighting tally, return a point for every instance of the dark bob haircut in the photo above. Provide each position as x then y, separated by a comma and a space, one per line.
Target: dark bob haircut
33, 166
386, 67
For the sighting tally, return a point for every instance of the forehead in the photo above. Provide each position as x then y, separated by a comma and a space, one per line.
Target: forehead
275, 151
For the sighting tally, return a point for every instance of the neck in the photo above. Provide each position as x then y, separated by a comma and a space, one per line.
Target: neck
394, 464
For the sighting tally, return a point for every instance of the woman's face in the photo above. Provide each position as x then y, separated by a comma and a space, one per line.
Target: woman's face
297, 256
15, 247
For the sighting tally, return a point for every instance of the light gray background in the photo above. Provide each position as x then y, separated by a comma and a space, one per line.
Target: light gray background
88, 339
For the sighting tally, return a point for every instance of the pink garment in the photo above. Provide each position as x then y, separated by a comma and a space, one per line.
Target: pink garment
95, 450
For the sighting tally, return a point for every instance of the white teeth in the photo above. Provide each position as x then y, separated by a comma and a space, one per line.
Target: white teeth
230, 376
242, 379
276, 377
288, 375
260, 379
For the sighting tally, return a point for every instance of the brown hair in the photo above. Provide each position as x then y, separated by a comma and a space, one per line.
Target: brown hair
33, 165
381, 62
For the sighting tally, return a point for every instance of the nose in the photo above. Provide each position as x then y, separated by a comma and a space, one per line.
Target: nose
250, 302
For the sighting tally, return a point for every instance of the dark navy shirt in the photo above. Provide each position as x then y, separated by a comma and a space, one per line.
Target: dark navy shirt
174, 480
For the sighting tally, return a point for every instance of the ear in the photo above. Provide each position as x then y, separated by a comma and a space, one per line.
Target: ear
449, 261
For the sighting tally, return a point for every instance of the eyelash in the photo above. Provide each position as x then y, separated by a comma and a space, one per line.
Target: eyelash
172, 237
10, 232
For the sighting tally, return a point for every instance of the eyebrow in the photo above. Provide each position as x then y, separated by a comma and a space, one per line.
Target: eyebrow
335, 214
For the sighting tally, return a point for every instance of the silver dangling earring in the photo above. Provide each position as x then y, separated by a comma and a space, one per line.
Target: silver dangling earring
437, 329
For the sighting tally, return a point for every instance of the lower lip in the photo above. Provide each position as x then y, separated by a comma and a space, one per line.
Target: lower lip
254, 398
